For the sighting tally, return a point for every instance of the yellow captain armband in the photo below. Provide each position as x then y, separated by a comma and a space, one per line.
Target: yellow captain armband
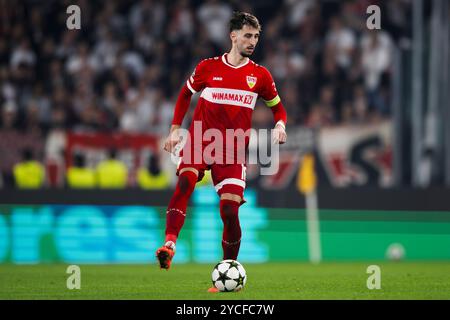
273, 102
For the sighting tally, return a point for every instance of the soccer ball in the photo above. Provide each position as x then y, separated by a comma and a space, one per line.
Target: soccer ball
229, 275
395, 252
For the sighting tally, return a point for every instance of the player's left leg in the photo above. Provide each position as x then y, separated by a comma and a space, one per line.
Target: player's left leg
229, 182
231, 237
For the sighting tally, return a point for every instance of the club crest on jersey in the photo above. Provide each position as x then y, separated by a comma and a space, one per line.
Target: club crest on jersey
251, 81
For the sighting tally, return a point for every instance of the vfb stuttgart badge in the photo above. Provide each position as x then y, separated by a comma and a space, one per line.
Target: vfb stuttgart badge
251, 81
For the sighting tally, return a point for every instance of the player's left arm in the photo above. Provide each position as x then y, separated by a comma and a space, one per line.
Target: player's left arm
272, 99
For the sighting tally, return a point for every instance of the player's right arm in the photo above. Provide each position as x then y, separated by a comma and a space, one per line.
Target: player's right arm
194, 84
181, 107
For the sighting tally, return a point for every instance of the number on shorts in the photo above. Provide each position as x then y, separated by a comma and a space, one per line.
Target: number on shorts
244, 168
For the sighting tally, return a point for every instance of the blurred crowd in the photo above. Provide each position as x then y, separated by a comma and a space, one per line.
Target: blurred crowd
123, 69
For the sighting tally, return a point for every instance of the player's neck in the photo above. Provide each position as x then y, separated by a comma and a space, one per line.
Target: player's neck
235, 58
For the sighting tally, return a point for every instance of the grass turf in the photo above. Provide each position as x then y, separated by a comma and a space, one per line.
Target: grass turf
290, 281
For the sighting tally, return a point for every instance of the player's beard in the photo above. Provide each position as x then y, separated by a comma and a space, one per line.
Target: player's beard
245, 53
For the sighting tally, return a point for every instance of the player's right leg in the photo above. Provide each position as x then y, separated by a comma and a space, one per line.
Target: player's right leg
176, 214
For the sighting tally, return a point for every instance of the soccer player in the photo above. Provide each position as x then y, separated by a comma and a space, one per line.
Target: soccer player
230, 85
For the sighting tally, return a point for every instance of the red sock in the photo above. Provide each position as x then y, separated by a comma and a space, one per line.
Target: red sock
176, 211
231, 238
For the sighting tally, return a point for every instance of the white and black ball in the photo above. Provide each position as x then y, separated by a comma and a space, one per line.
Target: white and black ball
228, 276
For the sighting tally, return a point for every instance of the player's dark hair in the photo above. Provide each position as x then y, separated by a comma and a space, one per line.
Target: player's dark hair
240, 19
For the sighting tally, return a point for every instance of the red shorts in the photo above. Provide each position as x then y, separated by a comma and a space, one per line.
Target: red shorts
227, 178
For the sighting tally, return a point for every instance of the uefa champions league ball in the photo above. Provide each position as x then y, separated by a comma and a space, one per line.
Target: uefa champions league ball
229, 275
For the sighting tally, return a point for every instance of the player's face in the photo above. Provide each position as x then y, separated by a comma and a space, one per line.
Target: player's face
245, 40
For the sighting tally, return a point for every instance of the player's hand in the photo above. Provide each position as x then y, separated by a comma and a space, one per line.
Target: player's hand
279, 134
173, 139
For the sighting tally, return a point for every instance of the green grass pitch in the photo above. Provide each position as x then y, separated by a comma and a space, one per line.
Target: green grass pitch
290, 281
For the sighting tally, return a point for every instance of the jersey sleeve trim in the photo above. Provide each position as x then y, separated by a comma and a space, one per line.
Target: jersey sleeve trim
273, 102
190, 87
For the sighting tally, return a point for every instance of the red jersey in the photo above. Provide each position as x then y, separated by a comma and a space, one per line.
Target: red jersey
228, 94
